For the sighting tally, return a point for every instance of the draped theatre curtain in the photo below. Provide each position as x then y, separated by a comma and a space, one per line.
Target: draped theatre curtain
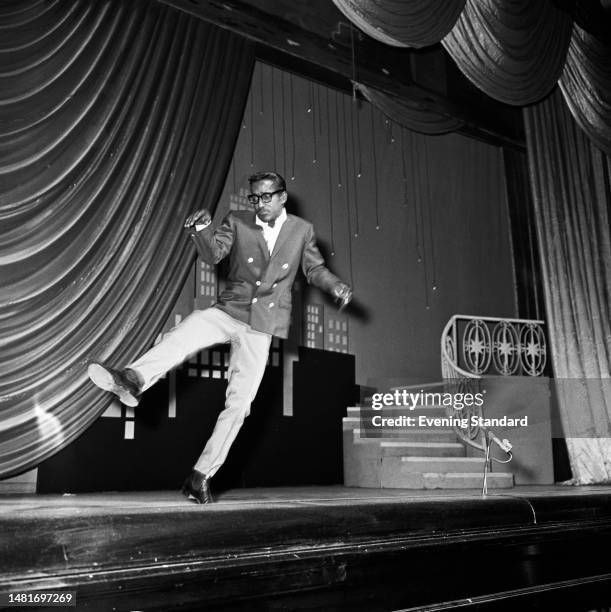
117, 118
586, 85
403, 23
408, 113
513, 50
571, 182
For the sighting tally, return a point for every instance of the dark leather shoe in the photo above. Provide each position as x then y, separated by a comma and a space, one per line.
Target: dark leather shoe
125, 384
197, 488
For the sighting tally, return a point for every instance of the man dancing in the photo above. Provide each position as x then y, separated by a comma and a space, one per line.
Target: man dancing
265, 249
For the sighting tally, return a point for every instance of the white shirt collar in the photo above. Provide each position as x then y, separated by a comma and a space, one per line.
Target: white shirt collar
280, 219
270, 234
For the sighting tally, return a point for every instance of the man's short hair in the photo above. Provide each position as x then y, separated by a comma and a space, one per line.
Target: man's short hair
279, 182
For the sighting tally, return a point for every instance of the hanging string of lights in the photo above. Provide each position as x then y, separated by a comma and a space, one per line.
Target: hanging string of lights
421, 228
375, 166
429, 209
293, 139
283, 114
330, 175
355, 175
417, 194
404, 168
274, 139
262, 91
347, 198
337, 138
310, 110
251, 103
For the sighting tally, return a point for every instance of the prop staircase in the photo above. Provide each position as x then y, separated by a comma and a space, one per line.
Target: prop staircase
414, 457
428, 451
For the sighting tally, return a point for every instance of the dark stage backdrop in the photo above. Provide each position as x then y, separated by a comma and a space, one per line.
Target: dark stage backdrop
270, 450
418, 224
117, 118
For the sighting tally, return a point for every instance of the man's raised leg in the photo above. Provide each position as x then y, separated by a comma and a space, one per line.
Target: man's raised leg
199, 330
202, 328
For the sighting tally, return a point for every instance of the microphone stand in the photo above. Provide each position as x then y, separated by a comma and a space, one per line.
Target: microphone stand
504, 445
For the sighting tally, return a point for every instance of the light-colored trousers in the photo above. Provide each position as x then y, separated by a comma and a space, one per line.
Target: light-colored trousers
247, 361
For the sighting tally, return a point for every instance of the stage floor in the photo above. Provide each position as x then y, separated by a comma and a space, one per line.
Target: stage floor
318, 547
35, 506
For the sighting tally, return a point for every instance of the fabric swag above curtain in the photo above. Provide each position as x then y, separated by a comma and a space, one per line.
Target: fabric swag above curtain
513, 50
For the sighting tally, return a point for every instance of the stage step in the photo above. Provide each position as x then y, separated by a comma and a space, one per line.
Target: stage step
386, 385
421, 449
431, 387
365, 394
459, 465
406, 435
412, 456
352, 422
447, 480
428, 411
371, 462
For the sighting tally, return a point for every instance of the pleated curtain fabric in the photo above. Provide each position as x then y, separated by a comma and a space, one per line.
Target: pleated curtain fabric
571, 182
409, 114
403, 23
117, 119
586, 85
515, 51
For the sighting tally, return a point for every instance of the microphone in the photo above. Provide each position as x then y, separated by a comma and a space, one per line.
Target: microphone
504, 444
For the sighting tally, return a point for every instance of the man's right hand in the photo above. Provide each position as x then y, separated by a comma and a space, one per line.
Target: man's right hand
343, 293
200, 217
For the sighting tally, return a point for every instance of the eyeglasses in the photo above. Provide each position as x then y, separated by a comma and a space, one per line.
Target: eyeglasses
266, 198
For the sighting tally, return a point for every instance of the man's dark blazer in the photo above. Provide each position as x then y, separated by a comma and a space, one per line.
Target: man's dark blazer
258, 290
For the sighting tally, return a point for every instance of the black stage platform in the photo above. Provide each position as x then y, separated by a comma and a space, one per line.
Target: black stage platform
315, 548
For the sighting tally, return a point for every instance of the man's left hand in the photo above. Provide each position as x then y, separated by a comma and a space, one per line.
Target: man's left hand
343, 293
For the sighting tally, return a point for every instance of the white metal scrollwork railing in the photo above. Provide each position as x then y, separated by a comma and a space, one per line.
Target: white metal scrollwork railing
472, 347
